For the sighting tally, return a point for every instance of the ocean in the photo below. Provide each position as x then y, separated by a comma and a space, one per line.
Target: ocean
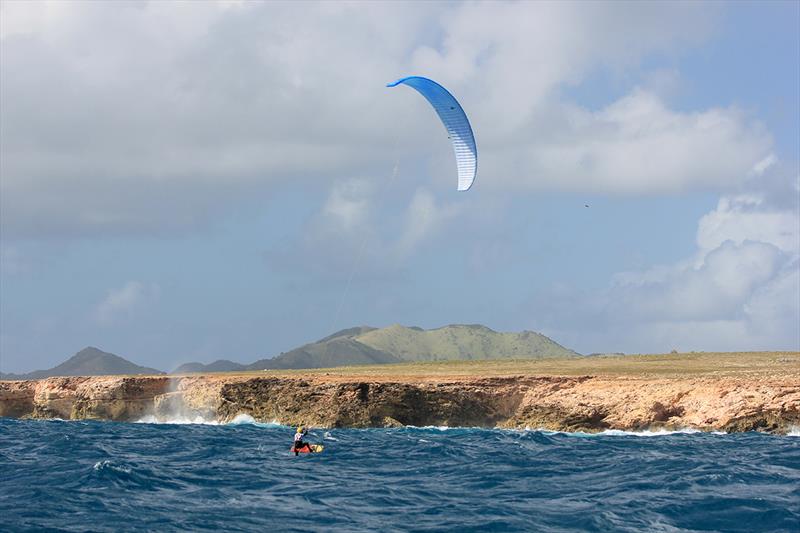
105, 476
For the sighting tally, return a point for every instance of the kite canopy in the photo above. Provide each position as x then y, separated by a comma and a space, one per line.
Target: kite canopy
456, 122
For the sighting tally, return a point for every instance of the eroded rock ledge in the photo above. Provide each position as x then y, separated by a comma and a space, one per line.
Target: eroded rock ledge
569, 403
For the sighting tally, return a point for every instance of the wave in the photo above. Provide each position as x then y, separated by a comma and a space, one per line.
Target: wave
177, 420
242, 419
604, 433
238, 420
626, 433
110, 465
246, 419
243, 477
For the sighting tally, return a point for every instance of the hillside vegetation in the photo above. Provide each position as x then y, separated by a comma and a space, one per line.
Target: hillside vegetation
699, 364
365, 345
337, 351
361, 345
88, 362
461, 343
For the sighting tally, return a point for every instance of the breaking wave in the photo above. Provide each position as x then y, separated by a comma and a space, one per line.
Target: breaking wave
622, 433
199, 420
110, 465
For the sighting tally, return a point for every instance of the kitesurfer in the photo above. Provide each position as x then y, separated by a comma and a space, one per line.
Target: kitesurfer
299, 443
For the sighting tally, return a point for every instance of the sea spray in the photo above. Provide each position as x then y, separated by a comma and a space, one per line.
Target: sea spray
240, 419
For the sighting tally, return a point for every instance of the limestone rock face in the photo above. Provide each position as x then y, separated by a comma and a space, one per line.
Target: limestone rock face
16, 398
568, 403
104, 398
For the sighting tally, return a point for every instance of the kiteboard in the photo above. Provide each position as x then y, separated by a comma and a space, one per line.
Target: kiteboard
308, 448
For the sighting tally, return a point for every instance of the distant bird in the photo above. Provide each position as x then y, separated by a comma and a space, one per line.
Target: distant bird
585, 205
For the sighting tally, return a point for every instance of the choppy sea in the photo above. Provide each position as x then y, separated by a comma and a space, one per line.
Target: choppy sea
103, 476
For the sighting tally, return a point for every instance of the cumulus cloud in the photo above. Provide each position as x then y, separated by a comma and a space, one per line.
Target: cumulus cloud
123, 301
513, 56
423, 218
347, 206
739, 291
636, 145
159, 116
748, 217
372, 228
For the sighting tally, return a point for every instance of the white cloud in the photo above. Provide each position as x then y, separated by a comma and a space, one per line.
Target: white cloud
347, 206
762, 166
121, 302
749, 217
512, 56
423, 218
739, 291
636, 145
361, 226
158, 116
716, 289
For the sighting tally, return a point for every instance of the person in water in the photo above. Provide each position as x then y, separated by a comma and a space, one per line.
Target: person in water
299, 442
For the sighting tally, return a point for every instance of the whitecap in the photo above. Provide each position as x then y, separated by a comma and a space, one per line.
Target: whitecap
150, 419
243, 418
240, 419
110, 465
624, 433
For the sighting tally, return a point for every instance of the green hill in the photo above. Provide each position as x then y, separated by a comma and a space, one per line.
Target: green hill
361, 345
221, 365
461, 342
89, 362
365, 345
349, 332
337, 351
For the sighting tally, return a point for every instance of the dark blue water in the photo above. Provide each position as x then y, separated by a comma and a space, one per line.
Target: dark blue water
100, 476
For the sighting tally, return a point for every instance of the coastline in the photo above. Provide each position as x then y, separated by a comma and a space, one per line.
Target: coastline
705, 392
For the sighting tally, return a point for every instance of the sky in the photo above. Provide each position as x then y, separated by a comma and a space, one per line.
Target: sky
194, 181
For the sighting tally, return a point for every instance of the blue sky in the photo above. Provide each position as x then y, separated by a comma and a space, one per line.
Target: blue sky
188, 182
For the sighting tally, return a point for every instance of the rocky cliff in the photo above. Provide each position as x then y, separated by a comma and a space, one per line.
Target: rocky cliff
569, 403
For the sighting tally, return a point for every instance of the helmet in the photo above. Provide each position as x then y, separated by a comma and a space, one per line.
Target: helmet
301, 429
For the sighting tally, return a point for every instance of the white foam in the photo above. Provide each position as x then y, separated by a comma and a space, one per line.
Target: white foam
109, 465
240, 419
150, 419
623, 433
794, 431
